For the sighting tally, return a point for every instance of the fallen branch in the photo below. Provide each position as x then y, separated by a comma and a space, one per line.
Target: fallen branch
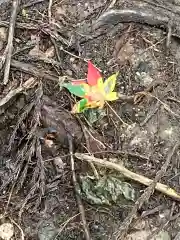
129, 174
30, 69
30, 83
121, 233
139, 15
77, 187
10, 41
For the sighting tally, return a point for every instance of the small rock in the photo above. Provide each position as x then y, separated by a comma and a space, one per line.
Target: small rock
6, 231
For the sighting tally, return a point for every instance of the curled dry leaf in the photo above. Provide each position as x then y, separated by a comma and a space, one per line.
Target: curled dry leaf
58, 162
36, 52
50, 52
6, 231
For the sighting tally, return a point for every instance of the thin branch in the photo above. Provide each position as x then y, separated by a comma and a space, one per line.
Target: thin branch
129, 174
30, 83
115, 113
17, 225
77, 187
30, 69
10, 40
49, 11
146, 195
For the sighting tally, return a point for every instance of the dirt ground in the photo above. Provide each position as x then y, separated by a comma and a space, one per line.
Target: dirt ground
52, 43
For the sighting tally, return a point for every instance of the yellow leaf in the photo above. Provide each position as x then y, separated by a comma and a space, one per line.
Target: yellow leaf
100, 85
112, 96
110, 83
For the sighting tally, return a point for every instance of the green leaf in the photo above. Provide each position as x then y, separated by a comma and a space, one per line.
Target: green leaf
106, 190
110, 83
80, 106
94, 114
77, 90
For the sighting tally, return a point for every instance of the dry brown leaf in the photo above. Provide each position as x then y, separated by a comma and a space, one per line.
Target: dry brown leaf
60, 13
58, 162
50, 52
125, 53
36, 52
119, 44
3, 34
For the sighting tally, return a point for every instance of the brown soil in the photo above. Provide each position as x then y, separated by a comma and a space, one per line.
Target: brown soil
35, 192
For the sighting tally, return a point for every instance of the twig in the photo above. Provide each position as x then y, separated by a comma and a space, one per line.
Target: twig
9, 198
163, 225
29, 4
20, 25
115, 113
64, 224
111, 4
146, 195
129, 174
30, 83
88, 146
71, 54
17, 225
49, 11
168, 40
10, 40
76, 187
30, 69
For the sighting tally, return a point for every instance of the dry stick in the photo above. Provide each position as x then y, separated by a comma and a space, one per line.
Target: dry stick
129, 174
22, 233
30, 69
148, 182
76, 187
49, 11
145, 196
116, 114
88, 147
30, 83
10, 40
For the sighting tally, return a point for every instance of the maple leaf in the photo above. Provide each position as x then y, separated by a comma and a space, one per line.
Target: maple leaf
93, 90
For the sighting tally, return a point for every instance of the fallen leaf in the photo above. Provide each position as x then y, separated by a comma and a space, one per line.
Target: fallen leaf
58, 162
106, 190
3, 34
24, 13
94, 115
50, 52
6, 231
139, 235
163, 235
36, 52
125, 53
60, 13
